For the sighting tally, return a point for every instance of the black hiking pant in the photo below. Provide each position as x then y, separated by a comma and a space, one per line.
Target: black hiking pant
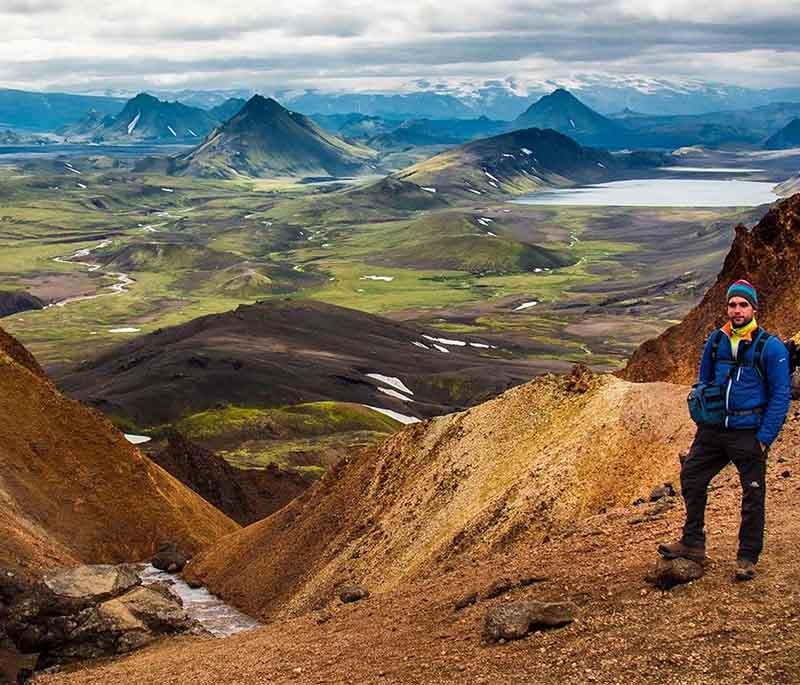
712, 450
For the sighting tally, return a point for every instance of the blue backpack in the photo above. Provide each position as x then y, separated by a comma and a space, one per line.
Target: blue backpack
707, 400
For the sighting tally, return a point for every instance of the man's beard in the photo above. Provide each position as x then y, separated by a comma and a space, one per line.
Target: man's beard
743, 324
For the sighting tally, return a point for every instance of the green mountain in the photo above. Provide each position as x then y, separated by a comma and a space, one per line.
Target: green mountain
512, 163
265, 139
563, 112
147, 118
787, 137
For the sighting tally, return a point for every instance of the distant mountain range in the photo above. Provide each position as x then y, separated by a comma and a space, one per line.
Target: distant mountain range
265, 139
787, 137
447, 122
147, 118
507, 99
565, 113
50, 111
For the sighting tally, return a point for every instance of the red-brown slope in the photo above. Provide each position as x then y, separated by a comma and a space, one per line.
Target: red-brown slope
769, 257
72, 489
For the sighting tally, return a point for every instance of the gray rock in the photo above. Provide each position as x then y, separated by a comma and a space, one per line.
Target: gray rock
90, 612
663, 490
668, 573
170, 558
515, 620
352, 593
91, 583
465, 601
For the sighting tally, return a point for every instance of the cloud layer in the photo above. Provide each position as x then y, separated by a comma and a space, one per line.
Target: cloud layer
93, 45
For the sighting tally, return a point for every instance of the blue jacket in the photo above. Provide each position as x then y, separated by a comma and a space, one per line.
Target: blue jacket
745, 389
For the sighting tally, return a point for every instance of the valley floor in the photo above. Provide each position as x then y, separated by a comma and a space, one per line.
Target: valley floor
711, 631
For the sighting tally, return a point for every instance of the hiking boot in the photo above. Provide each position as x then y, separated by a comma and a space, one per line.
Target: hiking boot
677, 550
745, 570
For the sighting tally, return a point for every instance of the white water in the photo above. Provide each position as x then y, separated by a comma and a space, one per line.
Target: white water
218, 618
670, 192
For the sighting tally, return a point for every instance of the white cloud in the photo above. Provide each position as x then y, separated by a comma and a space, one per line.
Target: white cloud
89, 44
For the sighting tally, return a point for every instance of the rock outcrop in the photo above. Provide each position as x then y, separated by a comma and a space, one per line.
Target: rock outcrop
515, 620
769, 257
89, 612
73, 490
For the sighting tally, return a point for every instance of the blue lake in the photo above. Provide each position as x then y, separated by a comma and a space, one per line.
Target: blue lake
653, 192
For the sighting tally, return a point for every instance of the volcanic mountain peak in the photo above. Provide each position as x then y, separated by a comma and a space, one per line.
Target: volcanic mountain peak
562, 111
264, 138
512, 163
145, 117
258, 105
769, 257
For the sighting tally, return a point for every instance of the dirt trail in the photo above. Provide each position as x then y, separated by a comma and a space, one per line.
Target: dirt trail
709, 632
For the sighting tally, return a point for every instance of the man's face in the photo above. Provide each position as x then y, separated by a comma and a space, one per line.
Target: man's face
740, 311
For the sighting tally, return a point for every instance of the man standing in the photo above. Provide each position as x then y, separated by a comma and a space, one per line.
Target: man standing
751, 369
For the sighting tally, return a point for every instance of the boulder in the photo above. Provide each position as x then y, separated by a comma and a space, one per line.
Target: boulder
514, 620
352, 593
668, 573
169, 558
91, 584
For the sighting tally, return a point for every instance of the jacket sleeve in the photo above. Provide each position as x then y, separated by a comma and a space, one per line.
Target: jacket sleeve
706, 374
779, 390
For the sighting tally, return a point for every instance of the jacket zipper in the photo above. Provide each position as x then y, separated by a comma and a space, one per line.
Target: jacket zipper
727, 400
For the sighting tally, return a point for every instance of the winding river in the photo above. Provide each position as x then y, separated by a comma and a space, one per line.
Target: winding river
121, 286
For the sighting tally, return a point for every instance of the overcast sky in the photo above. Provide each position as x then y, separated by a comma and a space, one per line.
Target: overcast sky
93, 45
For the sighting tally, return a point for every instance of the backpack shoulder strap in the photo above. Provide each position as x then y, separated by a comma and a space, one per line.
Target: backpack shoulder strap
758, 352
715, 343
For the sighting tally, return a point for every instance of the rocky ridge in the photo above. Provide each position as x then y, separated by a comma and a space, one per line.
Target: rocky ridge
768, 255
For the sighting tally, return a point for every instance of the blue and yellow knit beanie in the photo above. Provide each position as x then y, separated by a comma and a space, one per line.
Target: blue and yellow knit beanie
745, 290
